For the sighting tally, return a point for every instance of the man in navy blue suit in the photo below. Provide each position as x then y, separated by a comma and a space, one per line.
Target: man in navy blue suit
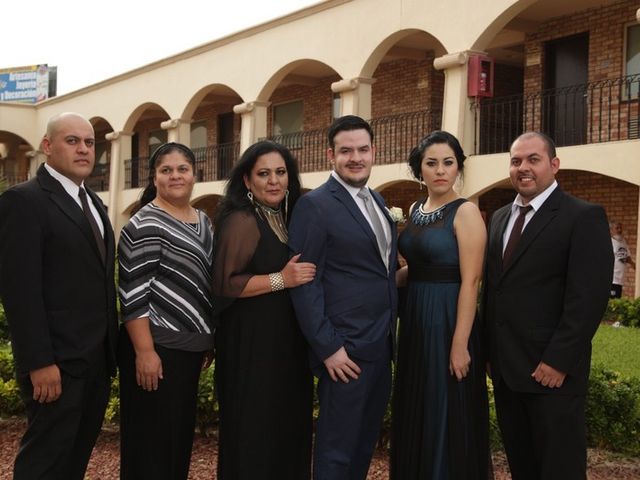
348, 312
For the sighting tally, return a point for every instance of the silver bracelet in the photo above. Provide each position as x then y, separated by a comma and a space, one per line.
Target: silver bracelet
276, 280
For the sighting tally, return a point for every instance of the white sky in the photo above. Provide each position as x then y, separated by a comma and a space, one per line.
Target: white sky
91, 41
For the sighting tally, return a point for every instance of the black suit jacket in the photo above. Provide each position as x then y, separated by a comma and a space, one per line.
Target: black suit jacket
352, 301
58, 295
547, 303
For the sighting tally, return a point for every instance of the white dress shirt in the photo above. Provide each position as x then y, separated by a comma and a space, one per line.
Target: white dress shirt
73, 190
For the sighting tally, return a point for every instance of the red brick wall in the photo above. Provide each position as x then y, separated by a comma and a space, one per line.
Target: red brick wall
317, 103
143, 128
209, 114
404, 86
606, 27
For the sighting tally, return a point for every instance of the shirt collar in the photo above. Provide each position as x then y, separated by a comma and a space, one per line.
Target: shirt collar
537, 201
69, 185
353, 191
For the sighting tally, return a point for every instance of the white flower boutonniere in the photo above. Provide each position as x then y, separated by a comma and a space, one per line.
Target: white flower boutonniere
396, 214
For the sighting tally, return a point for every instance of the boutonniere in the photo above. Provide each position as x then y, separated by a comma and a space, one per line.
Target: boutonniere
396, 214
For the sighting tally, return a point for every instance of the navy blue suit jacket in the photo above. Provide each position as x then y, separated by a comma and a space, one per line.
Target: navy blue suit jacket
352, 301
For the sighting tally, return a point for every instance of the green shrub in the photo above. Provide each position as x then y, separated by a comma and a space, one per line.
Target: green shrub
7, 366
207, 406
10, 400
624, 310
4, 326
112, 414
613, 412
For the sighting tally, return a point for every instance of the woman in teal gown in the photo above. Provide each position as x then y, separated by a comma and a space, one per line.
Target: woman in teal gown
440, 408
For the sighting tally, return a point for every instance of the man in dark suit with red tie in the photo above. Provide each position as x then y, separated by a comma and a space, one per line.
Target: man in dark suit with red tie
57, 287
546, 286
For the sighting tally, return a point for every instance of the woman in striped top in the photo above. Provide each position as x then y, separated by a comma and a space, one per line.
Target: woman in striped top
165, 255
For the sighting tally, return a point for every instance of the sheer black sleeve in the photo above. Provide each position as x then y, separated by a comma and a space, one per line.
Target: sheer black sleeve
236, 245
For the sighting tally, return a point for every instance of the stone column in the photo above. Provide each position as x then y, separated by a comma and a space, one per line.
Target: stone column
355, 96
457, 107
253, 117
178, 131
120, 151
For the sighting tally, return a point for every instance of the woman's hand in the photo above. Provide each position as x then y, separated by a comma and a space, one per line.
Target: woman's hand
207, 359
459, 361
148, 370
297, 273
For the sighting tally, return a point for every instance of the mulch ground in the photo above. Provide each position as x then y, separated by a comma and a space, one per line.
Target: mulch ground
104, 464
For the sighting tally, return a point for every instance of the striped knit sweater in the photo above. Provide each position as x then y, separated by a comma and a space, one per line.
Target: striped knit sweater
165, 274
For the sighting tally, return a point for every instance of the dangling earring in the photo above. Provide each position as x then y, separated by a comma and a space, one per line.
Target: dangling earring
250, 196
286, 205
420, 182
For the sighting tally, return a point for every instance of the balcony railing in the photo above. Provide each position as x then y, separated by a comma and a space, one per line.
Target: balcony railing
136, 172
98, 181
595, 112
212, 163
395, 136
215, 162
11, 179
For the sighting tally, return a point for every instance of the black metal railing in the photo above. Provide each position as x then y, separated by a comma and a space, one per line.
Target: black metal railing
603, 111
98, 181
215, 162
11, 179
395, 136
136, 172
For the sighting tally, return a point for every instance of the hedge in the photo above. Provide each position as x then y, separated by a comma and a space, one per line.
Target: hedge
624, 310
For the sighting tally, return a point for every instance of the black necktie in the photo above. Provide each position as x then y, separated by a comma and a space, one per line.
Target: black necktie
94, 226
516, 232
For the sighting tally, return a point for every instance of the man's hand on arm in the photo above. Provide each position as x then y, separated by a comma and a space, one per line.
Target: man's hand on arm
47, 383
340, 366
547, 376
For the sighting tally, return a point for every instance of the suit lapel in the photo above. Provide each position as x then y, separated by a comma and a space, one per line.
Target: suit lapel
536, 225
498, 226
340, 193
67, 206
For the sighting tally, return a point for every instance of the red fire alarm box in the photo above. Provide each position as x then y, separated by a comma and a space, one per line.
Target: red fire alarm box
480, 81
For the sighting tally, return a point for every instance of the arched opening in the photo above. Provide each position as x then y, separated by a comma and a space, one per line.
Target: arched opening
215, 131
99, 178
15, 159
147, 135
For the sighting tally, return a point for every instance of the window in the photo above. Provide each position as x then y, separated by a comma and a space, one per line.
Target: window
156, 138
287, 124
336, 107
632, 59
198, 135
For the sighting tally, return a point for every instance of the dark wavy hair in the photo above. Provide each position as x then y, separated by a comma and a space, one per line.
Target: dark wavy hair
439, 136
149, 193
347, 122
235, 192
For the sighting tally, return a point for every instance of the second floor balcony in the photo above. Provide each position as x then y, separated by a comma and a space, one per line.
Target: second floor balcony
394, 137
594, 112
98, 181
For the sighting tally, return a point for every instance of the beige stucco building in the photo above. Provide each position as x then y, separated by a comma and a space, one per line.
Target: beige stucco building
570, 68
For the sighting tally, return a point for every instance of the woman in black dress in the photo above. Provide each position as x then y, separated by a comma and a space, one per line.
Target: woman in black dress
263, 380
440, 410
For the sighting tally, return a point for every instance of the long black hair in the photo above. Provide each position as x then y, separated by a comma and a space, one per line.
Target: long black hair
235, 197
149, 193
439, 136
